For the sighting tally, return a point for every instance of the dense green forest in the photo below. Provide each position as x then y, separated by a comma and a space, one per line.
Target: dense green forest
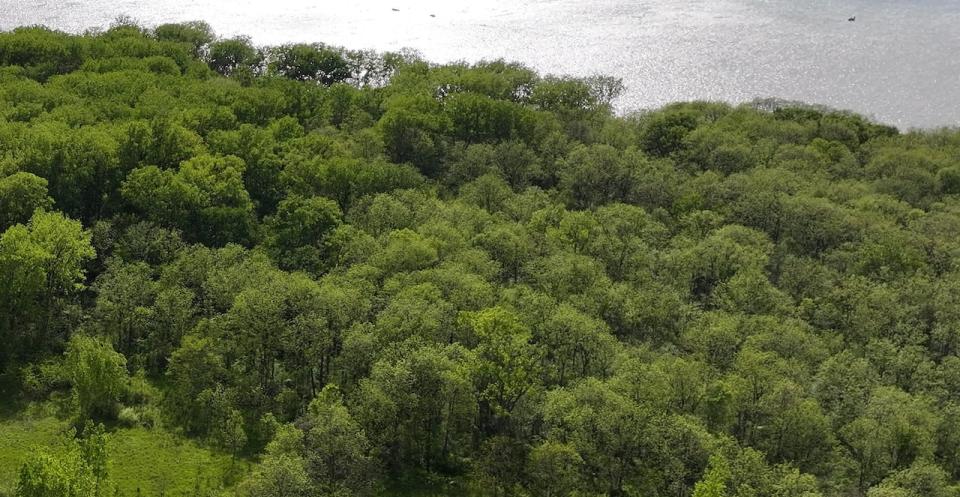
302, 271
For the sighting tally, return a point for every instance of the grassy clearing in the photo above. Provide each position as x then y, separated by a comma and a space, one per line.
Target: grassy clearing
142, 462
18, 438
158, 463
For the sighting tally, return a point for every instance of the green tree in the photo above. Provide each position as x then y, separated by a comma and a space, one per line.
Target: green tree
233, 56
554, 469
419, 408
197, 34
664, 132
21, 194
61, 473
337, 451
299, 231
715, 480
605, 428
42, 267
507, 363
205, 198
894, 431
97, 376
315, 62
413, 129
74, 467
279, 475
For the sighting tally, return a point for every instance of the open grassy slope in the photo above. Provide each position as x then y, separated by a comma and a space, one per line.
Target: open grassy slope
152, 460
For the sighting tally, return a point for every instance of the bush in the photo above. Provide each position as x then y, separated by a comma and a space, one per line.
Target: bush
98, 376
128, 417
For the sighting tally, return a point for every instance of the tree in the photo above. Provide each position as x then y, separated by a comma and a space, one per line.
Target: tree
605, 428
234, 56
510, 245
815, 225
229, 433
42, 267
605, 89
413, 129
21, 194
715, 480
418, 408
476, 118
97, 375
599, 174
843, 385
922, 478
507, 362
499, 467
205, 197
277, 333
574, 346
405, 250
279, 475
336, 449
315, 62
299, 231
43, 52
489, 192
56, 474
76, 467
93, 451
125, 295
664, 132
197, 34
726, 253
554, 469
624, 238
894, 431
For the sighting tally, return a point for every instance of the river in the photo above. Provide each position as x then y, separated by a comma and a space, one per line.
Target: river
898, 62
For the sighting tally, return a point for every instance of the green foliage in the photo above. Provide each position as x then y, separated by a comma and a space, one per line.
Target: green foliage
555, 469
234, 56
197, 34
664, 132
714, 482
300, 229
42, 266
352, 273
97, 376
205, 193
78, 467
60, 474
303, 62
22, 440
413, 131
20, 195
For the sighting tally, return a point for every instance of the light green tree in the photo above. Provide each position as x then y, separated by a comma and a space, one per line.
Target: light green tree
97, 375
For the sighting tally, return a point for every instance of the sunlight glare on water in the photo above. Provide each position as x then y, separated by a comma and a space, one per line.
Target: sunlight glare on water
897, 63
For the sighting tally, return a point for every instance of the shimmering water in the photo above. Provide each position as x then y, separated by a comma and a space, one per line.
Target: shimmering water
899, 62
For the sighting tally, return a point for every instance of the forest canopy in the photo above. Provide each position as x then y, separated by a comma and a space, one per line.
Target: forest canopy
367, 274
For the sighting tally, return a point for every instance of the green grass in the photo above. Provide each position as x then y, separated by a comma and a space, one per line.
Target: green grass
159, 463
153, 461
18, 439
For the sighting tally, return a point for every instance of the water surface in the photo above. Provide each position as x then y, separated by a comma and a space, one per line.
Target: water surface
899, 62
